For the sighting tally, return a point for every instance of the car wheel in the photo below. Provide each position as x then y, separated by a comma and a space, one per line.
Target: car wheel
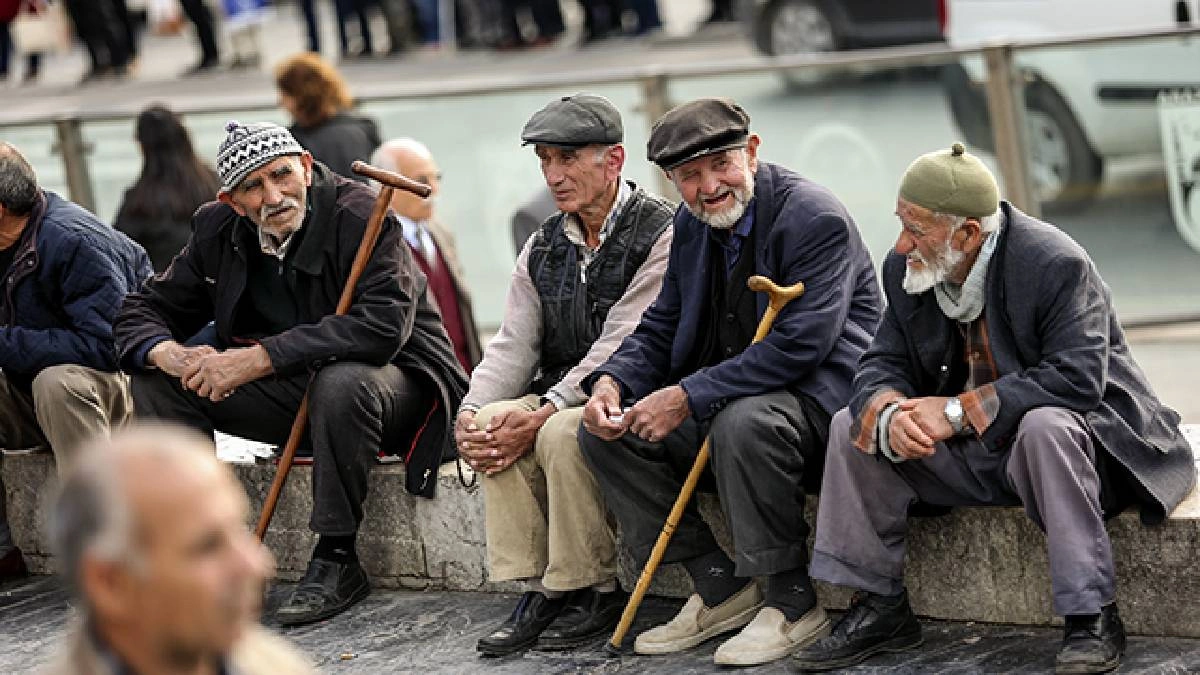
789, 27
1066, 172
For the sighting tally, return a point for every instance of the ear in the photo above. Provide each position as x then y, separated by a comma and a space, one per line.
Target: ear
969, 235
306, 160
226, 198
107, 587
615, 161
752, 144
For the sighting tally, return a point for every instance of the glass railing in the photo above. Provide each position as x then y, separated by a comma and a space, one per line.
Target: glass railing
1094, 159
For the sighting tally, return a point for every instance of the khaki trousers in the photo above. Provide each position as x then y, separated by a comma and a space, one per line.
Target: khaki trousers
67, 405
545, 515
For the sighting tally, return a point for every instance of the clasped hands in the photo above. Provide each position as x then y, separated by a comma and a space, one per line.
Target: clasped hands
652, 419
506, 438
917, 425
209, 373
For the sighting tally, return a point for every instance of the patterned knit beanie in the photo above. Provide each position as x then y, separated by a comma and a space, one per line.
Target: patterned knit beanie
249, 146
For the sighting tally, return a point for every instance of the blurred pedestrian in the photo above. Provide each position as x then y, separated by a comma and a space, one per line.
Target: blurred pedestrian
156, 211
102, 32
244, 19
722, 12
546, 16
9, 9
316, 98
65, 274
648, 18
149, 531
602, 19
433, 244
210, 55
349, 10
311, 25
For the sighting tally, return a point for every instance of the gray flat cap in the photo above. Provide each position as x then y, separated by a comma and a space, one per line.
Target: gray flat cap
697, 128
575, 121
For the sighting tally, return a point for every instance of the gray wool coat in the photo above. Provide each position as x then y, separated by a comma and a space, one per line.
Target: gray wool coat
1056, 342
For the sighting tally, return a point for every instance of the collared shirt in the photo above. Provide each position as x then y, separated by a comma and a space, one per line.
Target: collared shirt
574, 229
731, 240
418, 237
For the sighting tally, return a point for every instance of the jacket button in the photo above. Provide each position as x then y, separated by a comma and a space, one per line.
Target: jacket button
729, 351
945, 367
729, 317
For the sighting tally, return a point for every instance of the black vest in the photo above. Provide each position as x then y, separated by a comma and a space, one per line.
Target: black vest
575, 301
733, 315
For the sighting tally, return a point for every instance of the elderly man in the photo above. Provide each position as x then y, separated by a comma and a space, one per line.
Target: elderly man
580, 284
65, 274
149, 530
432, 245
268, 262
989, 385
692, 371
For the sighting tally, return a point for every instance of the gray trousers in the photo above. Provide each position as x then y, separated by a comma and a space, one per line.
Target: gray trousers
352, 408
1050, 469
760, 448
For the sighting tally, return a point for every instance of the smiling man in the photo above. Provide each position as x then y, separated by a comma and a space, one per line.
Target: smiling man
689, 370
999, 377
581, 283
267, 263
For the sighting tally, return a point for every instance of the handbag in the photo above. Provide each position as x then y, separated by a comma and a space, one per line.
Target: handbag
43, 32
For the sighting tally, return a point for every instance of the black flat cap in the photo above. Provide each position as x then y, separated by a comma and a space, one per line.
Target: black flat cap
575, 121
695, 129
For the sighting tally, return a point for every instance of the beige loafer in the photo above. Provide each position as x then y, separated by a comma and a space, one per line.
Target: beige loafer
770, 637
696, 623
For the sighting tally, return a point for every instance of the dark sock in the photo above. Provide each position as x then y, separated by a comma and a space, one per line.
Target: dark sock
791, 592
712, 575
336, 549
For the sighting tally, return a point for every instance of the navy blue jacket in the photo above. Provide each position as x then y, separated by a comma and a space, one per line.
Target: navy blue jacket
802, 233
68, 278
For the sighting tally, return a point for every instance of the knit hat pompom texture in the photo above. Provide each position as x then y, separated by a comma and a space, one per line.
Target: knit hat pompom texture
951, 181
249, 146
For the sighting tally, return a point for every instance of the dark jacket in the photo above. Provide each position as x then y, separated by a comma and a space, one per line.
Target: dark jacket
340, 140
391, 319
1056, 341
68, 277
802, 233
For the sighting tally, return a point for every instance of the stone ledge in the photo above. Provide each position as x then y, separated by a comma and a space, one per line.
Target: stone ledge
981, 564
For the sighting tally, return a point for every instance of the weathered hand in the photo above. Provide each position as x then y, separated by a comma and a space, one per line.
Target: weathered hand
909, 433
602, 413
174, 359
660, 413
216, 376
471, 440
930, 413
511, 434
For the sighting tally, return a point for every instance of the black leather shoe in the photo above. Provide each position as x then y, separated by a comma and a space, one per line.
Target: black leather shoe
873, 624
328, 588
586, 616
12, 565
1092, 644
521, 630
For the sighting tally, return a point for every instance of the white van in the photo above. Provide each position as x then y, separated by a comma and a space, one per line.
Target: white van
1085, 104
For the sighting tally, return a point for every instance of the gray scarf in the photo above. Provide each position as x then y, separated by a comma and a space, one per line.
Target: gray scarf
965, 303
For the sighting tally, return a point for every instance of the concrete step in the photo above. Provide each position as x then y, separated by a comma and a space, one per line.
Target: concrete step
978, 564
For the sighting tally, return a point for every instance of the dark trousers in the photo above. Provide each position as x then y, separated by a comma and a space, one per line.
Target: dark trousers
648, 18
601, 18
761, 447
352, 408
101, 31
348, 10
198, 13
310, 23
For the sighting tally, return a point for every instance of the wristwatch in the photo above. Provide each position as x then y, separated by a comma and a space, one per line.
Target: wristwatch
954, 415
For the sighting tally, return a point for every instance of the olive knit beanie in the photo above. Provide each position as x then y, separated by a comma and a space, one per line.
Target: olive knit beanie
951, 181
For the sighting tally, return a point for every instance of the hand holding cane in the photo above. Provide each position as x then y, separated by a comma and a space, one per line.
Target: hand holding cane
778, 297
388, 181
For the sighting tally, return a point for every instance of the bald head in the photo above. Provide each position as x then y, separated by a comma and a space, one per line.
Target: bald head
150, 529
18, 183
410, 157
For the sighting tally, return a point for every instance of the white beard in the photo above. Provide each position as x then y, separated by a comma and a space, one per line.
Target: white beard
726, 219
931, 273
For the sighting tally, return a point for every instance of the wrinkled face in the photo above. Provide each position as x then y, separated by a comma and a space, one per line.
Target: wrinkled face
717, 188
423, 170
198, 579
274, 195
579, 177
925, 239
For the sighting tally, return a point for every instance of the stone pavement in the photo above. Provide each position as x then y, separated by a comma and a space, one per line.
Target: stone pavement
435, 632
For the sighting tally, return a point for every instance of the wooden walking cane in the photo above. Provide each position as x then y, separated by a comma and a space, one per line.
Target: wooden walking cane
778, 297
388, 181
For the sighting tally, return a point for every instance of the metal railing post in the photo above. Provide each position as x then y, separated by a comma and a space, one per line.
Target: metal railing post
656, 101
70, 145
1006, 105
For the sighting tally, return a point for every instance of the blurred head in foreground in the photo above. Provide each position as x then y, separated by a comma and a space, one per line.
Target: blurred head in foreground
150, 531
